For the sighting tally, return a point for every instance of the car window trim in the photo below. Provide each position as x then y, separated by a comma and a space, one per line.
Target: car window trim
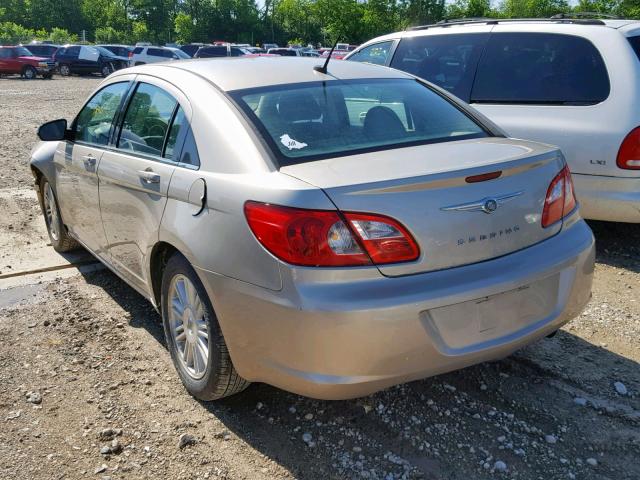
282, 160
115, 117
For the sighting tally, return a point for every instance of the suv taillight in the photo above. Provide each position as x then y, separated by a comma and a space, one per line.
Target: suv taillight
130, 54
561, 199
629, 153
327, 238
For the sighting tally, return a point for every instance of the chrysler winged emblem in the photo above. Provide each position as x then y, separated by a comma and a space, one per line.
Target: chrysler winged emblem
486, 205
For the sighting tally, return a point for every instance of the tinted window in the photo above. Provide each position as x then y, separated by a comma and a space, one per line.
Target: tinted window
376, 53
138, 50
238, 52
449, 61
208, 52
156, 52
635, 43
147, 120
319, 120
22, 52
93, 124
74, 51
178, 124
5, 53
540, 68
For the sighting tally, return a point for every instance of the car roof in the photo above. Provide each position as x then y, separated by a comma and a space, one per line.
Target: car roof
235, 73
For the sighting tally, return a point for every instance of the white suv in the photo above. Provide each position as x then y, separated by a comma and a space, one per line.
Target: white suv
574, 83
150, 54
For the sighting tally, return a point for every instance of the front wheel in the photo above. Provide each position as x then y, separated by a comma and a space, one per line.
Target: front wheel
29, 73
65, 70
60, 239
193, 335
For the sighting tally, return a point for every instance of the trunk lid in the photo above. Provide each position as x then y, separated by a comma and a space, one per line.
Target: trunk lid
425, 189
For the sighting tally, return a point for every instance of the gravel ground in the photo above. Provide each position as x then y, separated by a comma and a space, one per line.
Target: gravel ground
89, 391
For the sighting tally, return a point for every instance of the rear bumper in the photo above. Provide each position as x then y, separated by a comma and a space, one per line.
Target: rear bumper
614, 199
328, 337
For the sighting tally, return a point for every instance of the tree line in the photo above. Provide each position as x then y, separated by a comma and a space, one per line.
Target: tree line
243, 21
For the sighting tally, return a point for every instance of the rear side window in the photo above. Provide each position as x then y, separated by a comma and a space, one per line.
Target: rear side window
540, 68
376, 53
138, 50
449, 61
155, 52
316, 120
212, 52
147, 120
635, 43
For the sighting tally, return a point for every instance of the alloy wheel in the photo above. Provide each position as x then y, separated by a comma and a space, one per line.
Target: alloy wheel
51, 212
188, 326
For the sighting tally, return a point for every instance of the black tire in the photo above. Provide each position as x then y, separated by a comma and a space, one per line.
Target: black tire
220, 378
65, 70
60, 239
139, 63
29, 73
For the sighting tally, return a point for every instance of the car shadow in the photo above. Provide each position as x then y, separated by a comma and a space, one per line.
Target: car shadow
545, 377
617, 244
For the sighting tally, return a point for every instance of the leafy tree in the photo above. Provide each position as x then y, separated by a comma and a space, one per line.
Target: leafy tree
62, 36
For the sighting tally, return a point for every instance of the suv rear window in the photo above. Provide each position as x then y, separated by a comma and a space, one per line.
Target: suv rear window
449, 60
540, 68
315, 120
635, 43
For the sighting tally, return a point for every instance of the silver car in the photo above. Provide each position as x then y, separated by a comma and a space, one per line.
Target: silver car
331, 233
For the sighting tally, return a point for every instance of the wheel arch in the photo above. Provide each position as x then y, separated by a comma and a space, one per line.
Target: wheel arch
158, 259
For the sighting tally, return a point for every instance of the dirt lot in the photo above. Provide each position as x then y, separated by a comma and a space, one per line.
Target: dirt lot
88, 389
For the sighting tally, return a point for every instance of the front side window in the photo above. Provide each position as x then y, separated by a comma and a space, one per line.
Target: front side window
310, 121
540, 68
449, 61
22, 52
376, 53
147, 120
94, 122
155, 52
72, 51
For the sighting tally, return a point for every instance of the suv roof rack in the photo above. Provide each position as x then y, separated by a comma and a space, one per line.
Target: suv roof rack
585, 15
494, 21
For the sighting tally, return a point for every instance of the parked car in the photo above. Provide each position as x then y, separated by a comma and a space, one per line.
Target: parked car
330, 234
567, 82
83, 59
285, 52
191, 48
213, 51
143, 55
17, 60
45, 50
124, 51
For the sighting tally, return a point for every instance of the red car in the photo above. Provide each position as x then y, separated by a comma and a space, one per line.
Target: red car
19, 60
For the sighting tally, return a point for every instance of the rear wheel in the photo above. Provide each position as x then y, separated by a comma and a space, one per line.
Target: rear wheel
194, 338
29, 73
65, 70
60, 239
105, 70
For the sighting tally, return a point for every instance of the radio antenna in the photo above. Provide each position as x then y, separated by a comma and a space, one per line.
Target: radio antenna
323, 68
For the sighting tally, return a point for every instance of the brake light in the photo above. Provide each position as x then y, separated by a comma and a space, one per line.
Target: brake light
629, 153
560, 200
324, 238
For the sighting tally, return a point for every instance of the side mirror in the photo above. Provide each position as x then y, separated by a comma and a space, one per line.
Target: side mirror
54, 130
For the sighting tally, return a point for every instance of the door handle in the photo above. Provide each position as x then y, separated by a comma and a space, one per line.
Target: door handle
89, 161
149, 176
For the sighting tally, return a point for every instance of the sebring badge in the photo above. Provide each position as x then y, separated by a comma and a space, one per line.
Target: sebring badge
486, 205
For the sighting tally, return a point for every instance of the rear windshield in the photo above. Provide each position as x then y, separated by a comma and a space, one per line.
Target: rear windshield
317, 120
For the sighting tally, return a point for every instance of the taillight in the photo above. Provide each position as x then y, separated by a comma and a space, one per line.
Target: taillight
560, 200
629, 153
325, 238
